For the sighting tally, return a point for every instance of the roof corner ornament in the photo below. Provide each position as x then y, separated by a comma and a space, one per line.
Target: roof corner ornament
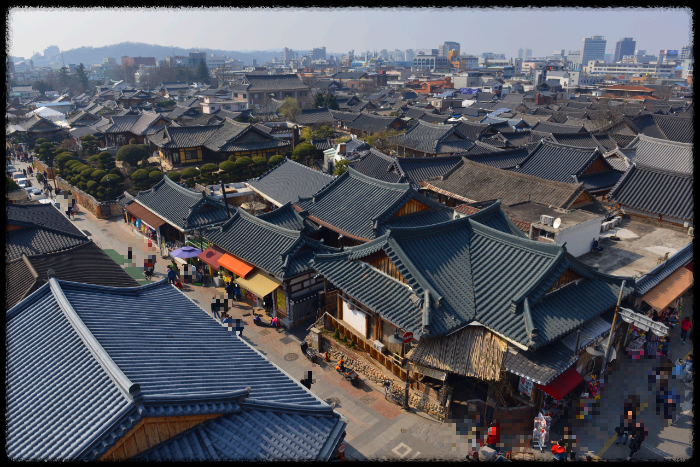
51, 273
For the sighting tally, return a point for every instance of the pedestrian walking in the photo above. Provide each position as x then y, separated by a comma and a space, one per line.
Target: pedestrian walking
665, 347
230, 290
171, 275
621, 433
686, 324
237, 292
493, 438
638, 436
24, 171
215, 307
559, 450
688, 369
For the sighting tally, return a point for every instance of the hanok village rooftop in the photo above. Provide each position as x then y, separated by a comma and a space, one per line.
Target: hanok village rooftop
495, 227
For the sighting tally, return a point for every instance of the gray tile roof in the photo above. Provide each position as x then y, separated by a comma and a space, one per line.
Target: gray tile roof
342, 116
85, 263
478, 182
549, 127
322, 144
481, 147
39, 240
558, 163
181, 207
416, 169
509, 139
267, 83
540, 366
40, 215
461, 263
656, 191
372, 123
502, 159
664, 154
95, 402
433, 139
654, 277
357, 205
184, 136
257, 432
320, 115
288, 181
244, 234
83, 115
288, 218
671, 127
376, 164
472, 131
432, 118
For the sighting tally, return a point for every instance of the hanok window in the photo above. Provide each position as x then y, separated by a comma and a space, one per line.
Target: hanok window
190, 155
256, 96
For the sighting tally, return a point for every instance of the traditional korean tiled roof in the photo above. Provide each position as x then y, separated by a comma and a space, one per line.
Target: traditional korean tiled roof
288, 218
656, 191
664, 154
540, 366
460, 263
40, 215
320, 115
432, 118
481, 147
85, 263
670, 127
288, 181
473, 131
376, 164
513, 139
506, 159
654, 277
257, 432
346, 117
471, 181
243, 235
82, 115
470, 209
181, 207
32, 124
99, 380
356, 205
433, 139
183, 137
267, 83
179, 111
549, 127
270, 107
194, 102
372, 123
560, 163
416, 169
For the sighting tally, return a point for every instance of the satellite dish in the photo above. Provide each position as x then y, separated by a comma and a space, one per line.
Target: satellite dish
557, 223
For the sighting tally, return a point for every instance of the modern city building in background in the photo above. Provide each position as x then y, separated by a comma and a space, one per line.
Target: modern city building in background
667, 56
592, 48
624, 46
524, 54
446, 47
318, 53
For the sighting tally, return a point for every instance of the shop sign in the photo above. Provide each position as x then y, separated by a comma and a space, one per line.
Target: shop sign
525, 386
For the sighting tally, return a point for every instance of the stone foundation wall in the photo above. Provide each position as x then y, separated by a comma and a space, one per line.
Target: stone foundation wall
101, 210
416, 400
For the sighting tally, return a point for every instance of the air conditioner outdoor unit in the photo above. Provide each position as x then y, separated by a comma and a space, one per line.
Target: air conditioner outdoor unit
548, 220
378, 346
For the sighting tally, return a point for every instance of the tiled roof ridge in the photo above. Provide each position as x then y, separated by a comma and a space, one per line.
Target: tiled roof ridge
332, 177
643, 279
357, 251
667, 142
652, 168
547, 142
31, 225
409, 271
263, 223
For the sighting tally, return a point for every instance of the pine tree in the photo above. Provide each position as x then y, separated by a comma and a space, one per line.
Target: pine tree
202, 72
81, 77
331, 102
318, 100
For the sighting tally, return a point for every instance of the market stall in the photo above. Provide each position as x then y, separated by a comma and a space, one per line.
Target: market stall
665, 300
144, 222
557, 392
257, 285
210, 259
232, 267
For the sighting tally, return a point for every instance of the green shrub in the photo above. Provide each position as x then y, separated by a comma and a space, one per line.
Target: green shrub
345, 339
174, 176
139, 175
190, 173
117, 172
110, 177
155, 176
336, 334
91, 184
131, 154
98, 174
81, 185
259, 161
275, 160
244, 161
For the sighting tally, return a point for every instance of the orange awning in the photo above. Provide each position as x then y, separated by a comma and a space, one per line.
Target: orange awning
669, 289
145, 215
235, 265
211, 256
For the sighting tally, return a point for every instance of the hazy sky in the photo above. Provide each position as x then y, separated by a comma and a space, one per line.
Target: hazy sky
477, 30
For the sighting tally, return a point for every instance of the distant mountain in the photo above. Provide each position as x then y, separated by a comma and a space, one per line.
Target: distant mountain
91, 55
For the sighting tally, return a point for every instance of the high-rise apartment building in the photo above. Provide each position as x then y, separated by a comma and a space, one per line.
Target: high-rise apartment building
318, 53
384, 54
409, 55
521, 54
286, 55
624, 46
444, 49
592, 48
687, 52
528, 53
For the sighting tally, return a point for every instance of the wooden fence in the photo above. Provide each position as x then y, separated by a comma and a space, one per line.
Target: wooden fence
364, 344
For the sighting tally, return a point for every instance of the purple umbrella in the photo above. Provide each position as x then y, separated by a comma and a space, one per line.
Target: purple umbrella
186, 252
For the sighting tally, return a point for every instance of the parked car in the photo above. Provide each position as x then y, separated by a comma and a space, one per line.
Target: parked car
10, 169
17, 175
22, 182
35, 194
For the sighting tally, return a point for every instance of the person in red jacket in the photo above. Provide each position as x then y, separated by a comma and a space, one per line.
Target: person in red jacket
685, 327
494, 436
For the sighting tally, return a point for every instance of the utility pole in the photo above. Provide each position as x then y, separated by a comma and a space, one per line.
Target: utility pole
612, 328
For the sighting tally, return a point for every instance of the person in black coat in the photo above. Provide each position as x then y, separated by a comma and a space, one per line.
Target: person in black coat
638, 435
230, 290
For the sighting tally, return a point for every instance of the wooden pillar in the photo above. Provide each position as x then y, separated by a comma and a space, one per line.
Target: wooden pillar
340, 306
377, 325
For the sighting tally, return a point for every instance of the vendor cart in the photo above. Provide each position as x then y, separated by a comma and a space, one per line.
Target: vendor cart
540, 433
